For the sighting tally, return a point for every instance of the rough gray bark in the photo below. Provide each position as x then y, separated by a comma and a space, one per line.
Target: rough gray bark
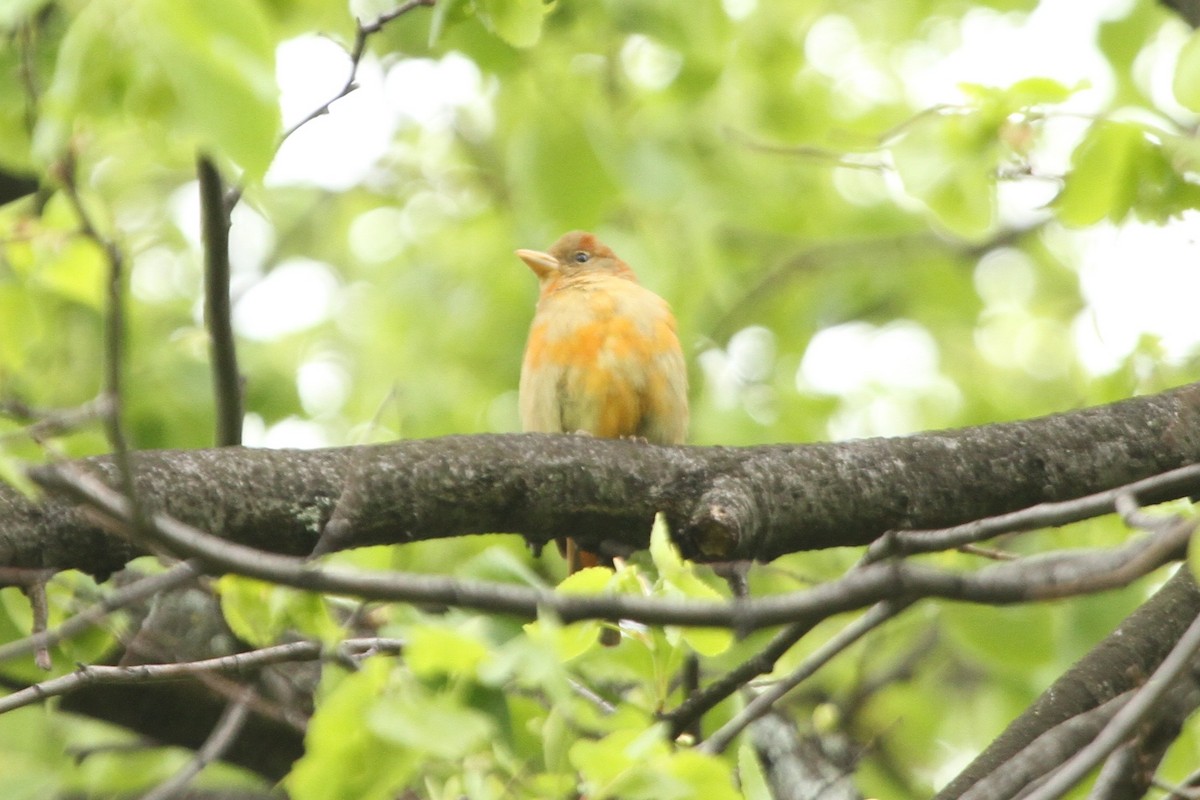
724, 503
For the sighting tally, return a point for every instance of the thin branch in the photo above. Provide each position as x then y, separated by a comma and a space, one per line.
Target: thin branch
230, 724
1124, 721
1177, 482
689, 712
849, 253
908, 542
44, 423
1026, 767
27, 72
36, 592
762, 704
227, 381
1113, 780
353, 649
1176, 792
87, 619
840, 159
114, 333
1040, 578
361, 34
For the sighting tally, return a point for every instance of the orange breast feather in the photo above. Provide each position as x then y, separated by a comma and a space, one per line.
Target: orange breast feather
603, 357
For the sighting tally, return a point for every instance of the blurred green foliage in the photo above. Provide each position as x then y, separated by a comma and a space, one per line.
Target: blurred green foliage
770, 168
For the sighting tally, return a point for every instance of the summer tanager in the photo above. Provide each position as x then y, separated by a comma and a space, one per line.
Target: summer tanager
603, 357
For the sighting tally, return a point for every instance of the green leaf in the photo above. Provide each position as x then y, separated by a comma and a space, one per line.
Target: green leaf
750, 774
518, 22
568, 642
447, 12
948, 161
197, 68
218, 57
663, 551
705, 641
1124, 167
1017, 638
1038, 91
1186, 81
431, 724
638, 765
261, 613
76, 272
1099, 184
12, 473
337, 737
706, 775
605, 761
433, 650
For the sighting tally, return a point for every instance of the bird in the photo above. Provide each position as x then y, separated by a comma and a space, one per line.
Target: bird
603, 354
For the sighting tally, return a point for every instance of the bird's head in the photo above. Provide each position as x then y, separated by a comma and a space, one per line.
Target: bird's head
577, 253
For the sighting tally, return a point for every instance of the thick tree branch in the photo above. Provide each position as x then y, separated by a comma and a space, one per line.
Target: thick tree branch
1178, 662
724, 503
1117, 665
1040, 578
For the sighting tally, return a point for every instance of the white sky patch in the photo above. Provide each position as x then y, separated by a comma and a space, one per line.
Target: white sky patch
290, 432
323, 385
887, 376
1138, 279
1055, 40
431, 94
739, 9
857, 355
749, 358
834, 48
342, 148
294, 296
374, 234
648, 63
338, 150
161, 274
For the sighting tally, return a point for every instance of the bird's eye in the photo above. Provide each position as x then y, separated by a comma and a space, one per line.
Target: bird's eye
581, 257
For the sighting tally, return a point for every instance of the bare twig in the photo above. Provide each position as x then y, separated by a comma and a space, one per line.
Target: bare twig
133, 593
47, 422
227, 381
236, 663
849, 253
840, 159
230, 724
41, 615
1177, 792
762, 703
1177, 482
907, 542
362, 32
114, 333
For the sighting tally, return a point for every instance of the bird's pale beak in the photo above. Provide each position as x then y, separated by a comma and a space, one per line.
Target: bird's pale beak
543, 264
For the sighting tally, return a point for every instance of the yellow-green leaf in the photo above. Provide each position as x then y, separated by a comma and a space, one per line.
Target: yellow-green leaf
433, 650
1186, 81
518, 22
